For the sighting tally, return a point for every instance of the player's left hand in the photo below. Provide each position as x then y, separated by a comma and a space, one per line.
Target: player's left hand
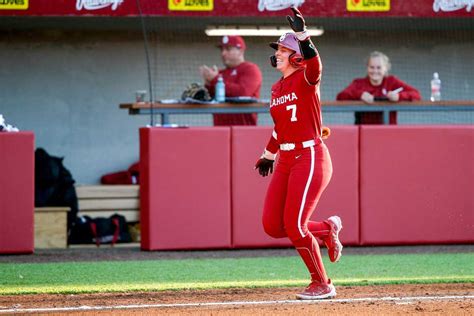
297, 22
264, 166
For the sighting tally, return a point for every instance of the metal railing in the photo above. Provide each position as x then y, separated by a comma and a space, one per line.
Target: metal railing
165, 109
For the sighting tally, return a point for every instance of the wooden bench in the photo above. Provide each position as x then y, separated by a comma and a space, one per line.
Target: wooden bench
51, 227
106, 200
94, 201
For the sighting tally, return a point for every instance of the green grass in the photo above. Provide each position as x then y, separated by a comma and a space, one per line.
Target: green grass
157, 275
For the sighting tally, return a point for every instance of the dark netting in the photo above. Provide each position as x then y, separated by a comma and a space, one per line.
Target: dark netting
417, 48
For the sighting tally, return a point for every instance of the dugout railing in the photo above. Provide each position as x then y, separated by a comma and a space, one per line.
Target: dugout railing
165, 110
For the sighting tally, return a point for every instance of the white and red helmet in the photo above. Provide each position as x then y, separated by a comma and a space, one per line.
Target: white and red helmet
290, 41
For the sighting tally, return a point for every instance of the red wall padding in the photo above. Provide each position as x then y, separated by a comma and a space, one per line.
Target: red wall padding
341, 197
185, 188
417, 184
199, 189
249, 188
16, 192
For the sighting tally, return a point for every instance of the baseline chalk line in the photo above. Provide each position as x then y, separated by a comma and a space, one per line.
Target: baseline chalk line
239, 303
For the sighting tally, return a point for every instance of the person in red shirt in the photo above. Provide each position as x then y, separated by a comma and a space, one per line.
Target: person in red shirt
241, 78
378, 86
304, 167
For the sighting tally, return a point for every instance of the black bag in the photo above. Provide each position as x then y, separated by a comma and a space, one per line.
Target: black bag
54, 184
81, 232
100, 230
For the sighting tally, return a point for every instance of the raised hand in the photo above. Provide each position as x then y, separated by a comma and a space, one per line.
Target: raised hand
297, 22
208, 73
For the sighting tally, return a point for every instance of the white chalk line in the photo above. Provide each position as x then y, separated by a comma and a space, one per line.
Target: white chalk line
397, 300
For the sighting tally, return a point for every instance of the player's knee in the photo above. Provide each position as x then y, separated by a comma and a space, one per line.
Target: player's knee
295, 232
273, 230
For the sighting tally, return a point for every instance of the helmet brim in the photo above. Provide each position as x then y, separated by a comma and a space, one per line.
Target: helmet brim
274, 45
287, 40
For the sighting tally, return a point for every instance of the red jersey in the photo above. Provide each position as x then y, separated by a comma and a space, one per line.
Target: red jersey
245, 80
358, 86
295, 106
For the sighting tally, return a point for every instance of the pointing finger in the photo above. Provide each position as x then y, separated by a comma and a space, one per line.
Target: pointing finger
295, 10
290, 19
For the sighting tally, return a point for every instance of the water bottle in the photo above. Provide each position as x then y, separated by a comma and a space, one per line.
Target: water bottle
435, 88
220, 89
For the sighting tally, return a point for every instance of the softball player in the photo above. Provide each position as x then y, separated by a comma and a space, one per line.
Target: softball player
304, 167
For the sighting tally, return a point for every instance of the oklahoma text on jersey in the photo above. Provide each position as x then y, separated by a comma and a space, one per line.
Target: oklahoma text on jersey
283, 99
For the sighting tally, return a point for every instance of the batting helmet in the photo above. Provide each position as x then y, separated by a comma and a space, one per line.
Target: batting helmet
290, 41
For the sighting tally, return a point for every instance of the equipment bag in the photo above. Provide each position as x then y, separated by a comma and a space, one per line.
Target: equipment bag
100, 230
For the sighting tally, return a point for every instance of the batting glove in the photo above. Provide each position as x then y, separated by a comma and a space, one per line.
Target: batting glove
264, 166
265, 163
298, 24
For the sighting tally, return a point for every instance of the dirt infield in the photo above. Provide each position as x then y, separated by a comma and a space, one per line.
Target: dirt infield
433, 299
361, 300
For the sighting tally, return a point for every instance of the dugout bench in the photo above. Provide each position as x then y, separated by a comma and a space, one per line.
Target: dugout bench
106, 200
50, 223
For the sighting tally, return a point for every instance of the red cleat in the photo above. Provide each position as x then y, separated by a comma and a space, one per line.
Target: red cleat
332, 241
317, 291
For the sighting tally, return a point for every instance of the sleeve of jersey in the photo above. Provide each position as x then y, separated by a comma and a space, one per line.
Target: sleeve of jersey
273, 144
247, 84
409, 93
313, 61
351, 92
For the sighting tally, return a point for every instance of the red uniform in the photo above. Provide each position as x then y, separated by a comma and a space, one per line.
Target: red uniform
243, 80
302, 173
358, 86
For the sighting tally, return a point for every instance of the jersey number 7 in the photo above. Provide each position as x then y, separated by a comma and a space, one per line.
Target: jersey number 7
292, 107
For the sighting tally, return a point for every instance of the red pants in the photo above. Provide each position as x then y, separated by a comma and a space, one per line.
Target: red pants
299, 179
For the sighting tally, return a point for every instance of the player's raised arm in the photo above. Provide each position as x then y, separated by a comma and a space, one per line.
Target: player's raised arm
308, 50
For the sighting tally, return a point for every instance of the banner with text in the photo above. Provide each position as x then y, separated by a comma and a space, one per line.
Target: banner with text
241, 8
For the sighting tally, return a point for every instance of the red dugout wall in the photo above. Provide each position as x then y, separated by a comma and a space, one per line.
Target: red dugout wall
185, 188
417, 184
391, 185
16, 192
249, 189
341, 197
